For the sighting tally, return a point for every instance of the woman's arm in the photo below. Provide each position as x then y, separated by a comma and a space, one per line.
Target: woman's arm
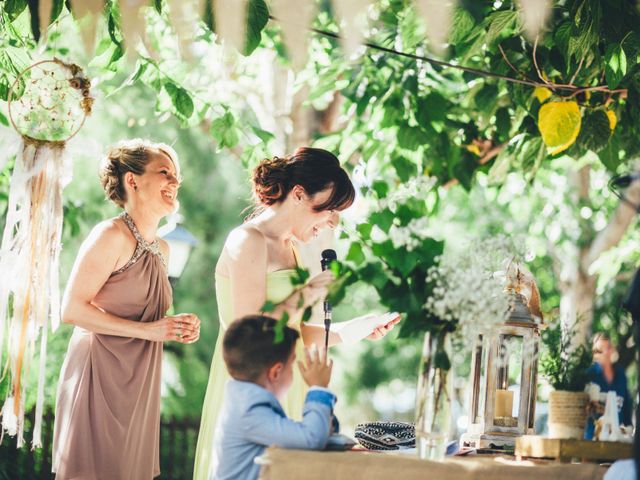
246, 251
98, 257
315, 333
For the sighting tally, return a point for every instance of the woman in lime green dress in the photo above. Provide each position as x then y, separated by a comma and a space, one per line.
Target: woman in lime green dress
297, 197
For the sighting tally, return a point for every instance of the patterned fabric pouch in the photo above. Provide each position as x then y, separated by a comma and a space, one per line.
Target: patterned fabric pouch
386, 435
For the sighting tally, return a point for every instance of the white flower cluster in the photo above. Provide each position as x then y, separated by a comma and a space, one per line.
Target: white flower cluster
469, 289
409, 237
415, 187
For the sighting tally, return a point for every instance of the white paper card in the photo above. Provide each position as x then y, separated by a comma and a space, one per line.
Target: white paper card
355, 330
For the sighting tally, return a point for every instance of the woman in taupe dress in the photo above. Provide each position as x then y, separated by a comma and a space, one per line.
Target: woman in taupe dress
107, 420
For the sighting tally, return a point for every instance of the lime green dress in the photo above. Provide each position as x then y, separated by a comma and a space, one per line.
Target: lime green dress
279, 287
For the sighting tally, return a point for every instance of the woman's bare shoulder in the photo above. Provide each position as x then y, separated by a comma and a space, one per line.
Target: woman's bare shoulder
110, 237
246, 236
245, 243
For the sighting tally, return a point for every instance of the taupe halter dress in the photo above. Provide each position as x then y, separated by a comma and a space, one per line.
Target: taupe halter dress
107, 423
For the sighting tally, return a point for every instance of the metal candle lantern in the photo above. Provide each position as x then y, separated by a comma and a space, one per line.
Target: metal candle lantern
504, 380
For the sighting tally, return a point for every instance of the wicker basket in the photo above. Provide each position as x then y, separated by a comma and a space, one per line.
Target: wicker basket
567, 414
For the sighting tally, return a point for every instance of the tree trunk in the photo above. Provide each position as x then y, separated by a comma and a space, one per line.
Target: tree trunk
577, 298
578, 285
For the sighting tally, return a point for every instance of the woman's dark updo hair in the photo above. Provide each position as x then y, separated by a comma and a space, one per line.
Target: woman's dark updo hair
129, 156
313, 169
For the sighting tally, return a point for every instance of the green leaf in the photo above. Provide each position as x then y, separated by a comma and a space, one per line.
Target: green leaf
410, 138
500, 168
4, 88
500, 22
117, 54
374, 275
113, 25
531, 155
263, 135
595, 131
431, 109
257, 18
35, 24
486, 97
306, 315
610, 155
427, 252
223, 130
4, 120
279, 328
411, 30
615, 65
562, 35
157, 4
355, 253
364, 229
141, 68
503, 123
405, 168
13, 8
338, 289
585, 35
56, 10
268, 306
383, 219
381, 188
462, 26
336, 268
180, 98
300, 277
208, 17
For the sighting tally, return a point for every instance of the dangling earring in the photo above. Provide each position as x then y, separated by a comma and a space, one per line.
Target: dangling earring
135, 188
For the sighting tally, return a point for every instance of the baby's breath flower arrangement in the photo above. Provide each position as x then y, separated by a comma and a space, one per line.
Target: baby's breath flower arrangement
467, 293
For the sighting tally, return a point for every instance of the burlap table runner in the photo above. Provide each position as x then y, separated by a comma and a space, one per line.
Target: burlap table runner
279, 464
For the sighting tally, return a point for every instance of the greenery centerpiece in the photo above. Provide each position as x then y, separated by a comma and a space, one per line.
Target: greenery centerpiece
442, 296
565, 367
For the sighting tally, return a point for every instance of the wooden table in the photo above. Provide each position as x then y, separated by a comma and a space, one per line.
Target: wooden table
564, 450
279, 464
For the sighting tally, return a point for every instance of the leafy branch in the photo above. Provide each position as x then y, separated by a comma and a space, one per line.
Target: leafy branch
564, 367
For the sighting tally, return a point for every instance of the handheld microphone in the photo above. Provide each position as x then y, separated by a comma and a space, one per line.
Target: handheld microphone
328, 256
625, 180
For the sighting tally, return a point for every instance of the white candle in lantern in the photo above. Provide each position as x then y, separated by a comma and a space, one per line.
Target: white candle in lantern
504, 403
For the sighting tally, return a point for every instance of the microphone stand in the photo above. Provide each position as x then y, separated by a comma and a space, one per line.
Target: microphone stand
327, 257
327, 325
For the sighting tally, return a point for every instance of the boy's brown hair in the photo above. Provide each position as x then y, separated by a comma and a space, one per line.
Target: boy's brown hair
249, 347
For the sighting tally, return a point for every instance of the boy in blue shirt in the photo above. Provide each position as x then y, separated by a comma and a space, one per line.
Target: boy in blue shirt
251, 417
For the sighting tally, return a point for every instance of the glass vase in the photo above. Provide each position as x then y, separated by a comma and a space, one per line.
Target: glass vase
433, 398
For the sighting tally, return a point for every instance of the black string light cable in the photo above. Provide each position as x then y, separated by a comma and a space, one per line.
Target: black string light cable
474, 71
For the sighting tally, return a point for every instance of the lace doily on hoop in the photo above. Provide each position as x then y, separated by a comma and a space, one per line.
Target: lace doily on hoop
48, 104
49, 101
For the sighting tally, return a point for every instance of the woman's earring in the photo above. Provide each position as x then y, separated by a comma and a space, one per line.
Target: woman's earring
135, 188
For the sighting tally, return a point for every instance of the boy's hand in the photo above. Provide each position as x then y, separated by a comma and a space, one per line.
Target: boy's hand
317, 369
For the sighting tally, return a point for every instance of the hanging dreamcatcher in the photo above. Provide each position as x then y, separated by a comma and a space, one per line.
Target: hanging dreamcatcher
48, 104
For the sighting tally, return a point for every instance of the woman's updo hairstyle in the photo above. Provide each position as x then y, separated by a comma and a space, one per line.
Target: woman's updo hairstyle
130, 156
313, 169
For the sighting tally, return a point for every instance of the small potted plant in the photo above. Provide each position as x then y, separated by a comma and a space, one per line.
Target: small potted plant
565, 367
